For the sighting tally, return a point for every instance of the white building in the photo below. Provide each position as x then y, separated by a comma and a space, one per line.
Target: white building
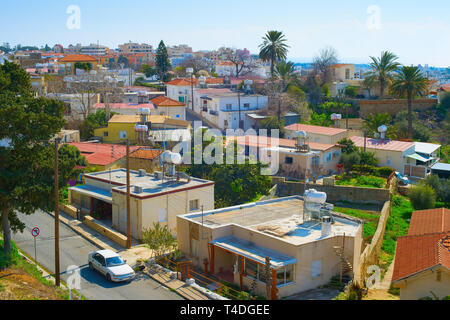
132, 48
95, 50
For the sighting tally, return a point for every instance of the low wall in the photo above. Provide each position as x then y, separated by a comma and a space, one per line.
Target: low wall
69, 210
104, 230
334, 193
393, 106
371, 253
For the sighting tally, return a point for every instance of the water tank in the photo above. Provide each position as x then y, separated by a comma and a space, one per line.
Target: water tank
189, 70
144, 111
140, 128
202, 80
315, 196
248, 82
300, 134
142, 173
382, 129
335, 116
326, 226
171, 157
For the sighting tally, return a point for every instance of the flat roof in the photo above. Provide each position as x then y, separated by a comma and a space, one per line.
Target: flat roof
281, 218
150, 185
427, 148
441, 166
329, 131
382, 144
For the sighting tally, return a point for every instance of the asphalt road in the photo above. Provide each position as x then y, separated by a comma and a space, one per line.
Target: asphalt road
73, 252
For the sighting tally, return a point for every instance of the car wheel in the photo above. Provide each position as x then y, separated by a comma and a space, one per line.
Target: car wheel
108, 277
91, 266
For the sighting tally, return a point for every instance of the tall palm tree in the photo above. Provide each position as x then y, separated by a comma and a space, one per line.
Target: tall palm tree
382, 69
409, 82
273, 49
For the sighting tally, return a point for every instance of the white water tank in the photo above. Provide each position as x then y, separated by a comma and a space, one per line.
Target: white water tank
144, 111
140, 128
326, 226
335, 116
382, 130
300, 134
171, 157
315, 196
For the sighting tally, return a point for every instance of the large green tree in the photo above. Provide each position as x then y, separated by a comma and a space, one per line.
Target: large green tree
409, 82
27, 124
382, 69
162, 62
273, 49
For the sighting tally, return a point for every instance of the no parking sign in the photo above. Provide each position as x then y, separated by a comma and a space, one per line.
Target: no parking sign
35, 232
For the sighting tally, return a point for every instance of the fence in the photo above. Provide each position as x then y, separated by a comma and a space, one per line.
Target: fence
185, 270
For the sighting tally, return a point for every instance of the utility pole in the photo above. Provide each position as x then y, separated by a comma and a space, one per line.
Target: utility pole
57, 271
128, 197
239, 105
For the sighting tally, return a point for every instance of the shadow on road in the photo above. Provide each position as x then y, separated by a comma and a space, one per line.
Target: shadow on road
97, 278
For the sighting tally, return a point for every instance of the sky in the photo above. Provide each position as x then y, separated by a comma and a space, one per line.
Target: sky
417, 31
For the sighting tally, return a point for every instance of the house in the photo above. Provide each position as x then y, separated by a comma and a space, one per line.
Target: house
180, 90
125, 108
221, 107
390, 153
70, 60
422, 259
146, 158
342, 72
317, 134
420, 163
254, 119
103, 156
442, 170
153, 199
170, 107
233, 245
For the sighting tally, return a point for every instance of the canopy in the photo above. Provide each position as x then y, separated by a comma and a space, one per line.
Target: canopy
253, 252
417, 156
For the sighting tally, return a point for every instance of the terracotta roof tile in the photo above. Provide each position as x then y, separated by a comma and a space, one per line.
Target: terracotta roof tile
418, 253
163, 101
382, 144
102, 154
77, 58
315, 129
147, 154
429, 221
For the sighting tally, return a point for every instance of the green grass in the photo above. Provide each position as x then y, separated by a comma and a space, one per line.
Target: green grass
396, 226
362, 181
370, 220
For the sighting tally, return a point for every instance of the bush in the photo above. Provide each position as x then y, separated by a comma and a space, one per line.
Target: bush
384, 172
368, 157
422, 197
349, 160
364, 168
370, 181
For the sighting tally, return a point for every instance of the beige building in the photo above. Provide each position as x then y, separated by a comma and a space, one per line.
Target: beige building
233, 243
342, 72
153, 200
390, 153
317, 134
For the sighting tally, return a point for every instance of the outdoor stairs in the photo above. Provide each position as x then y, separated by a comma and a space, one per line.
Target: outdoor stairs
346, 265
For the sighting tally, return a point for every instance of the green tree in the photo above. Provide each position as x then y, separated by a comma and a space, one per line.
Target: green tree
382, 69
93, 121
374, 121
272, 123
26, 126
149, 71
163, 64
320, 119
285, 72
409, 82
273, 49
368, 158
349, 160
422, 197
83, 66
159, 239
349, 146
123, 60
351, 91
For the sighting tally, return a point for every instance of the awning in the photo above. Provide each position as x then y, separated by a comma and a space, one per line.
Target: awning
417, 156
253, 252
94, 192
441, 167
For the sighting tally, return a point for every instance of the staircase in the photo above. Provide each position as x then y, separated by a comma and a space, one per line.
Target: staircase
253, 287
338, 247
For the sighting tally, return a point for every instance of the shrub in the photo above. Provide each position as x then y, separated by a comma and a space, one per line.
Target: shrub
364, 168
384, 172
370, 181
349, 160
369, 158
422, 197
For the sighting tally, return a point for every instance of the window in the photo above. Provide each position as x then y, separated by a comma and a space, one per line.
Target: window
123, 134
328, 156
316, 269
285, 275
347, 74
105, 134
194, 205
255, 270
246, 105
225, 123
389, 162
288, 160
229, 106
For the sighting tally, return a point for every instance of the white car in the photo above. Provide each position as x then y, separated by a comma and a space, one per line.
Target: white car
111, 265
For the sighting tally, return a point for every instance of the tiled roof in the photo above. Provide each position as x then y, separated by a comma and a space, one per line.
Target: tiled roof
77, 58
147, 154
125, 106
163, 101
315, 129
180, 82
120, 118
178, 123
418, 253
380, 144
429, 221
264, 142
102, 154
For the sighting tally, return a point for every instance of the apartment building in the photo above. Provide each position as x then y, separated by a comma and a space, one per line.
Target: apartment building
132, 48
94, 50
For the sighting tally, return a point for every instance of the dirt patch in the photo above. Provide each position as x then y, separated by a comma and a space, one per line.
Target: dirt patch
16, 284
379, 294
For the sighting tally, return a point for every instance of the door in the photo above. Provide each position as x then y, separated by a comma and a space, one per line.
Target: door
99, 263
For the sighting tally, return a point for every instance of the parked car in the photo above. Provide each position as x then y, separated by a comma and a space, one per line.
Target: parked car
402, 180
111, 265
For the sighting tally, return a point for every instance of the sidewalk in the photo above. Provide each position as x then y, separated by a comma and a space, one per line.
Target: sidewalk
137, 252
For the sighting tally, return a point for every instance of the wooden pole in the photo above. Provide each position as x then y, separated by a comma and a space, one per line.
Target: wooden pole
57, 270
268, 280
128, 197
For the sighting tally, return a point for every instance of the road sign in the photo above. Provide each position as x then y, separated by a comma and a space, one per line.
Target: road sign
35, 232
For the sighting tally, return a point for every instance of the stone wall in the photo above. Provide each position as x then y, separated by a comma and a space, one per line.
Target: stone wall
115, 236
393, 106
371, 253
334, 193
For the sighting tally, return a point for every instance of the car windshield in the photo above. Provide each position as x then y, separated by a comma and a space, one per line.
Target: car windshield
115, 261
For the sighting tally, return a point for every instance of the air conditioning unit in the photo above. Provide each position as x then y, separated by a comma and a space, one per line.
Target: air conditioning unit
138, 189
142, 173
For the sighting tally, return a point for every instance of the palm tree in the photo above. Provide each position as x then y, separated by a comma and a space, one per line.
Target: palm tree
368, 84
409, 82
382, 69
273, 49
285, 72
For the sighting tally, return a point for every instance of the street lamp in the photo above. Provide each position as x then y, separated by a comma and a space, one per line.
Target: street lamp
191, 72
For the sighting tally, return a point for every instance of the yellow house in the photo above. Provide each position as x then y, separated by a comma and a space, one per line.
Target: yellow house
70, 60
122, 127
